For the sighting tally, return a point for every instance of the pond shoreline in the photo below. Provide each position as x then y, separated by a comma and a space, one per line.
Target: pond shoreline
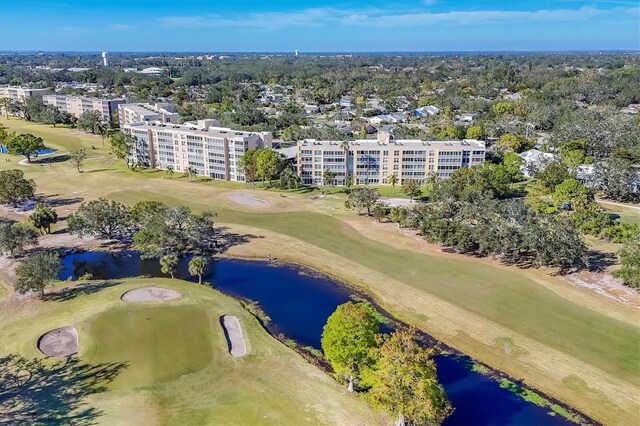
310, 353
425, 338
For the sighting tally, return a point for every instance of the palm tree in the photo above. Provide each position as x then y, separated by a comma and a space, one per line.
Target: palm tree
190, 173
6, 104
289, 179
346, 147
197, 266
328, 178
393, 180
169, 264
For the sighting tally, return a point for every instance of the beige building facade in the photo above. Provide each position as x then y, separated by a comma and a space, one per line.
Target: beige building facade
77, 105
212, 151
372, 162
20, 94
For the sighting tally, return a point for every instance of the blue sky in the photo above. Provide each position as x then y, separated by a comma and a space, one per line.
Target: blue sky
312, 26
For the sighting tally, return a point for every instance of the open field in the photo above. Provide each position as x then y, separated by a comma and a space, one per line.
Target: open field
170, 363
573, 344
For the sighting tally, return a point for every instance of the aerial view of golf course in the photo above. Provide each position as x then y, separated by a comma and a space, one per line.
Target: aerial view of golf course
114, 339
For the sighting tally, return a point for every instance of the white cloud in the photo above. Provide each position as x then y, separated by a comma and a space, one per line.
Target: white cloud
371, 17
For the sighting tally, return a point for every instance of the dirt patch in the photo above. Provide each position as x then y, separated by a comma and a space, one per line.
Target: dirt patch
149, 294
233, 333
605, 285
59, 343
246, 199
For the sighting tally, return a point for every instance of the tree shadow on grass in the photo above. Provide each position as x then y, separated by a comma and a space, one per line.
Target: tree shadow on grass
56, 200
226, 240
33, 391
78, 290
51, 159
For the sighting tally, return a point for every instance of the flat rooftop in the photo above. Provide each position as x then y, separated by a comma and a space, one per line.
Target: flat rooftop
400, 143
205, 131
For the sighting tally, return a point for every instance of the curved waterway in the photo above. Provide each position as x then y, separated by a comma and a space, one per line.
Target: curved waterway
299, 301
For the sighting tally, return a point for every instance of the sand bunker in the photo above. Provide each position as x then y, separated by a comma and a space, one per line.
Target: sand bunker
233, 333
247, 199
59, 343
149, 294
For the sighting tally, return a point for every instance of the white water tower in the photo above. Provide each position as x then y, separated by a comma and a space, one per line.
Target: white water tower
105, 59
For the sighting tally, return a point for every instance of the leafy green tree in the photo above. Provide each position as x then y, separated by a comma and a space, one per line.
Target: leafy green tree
411, 188
553, 175
362, 199
102, 218
475, 132
515, 143
629, 255
89, 121
77, 158
618, 179
169, 264
404, 383
14, 188
574, 193
26, 144
379, 212
393, 181
347, 339
122, 146
198, 266
512, 164
15, 237
6, 105
248, 165
268, 165
43, 217
36, 272
502, 108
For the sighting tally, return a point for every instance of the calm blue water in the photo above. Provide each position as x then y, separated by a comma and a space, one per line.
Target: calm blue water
4, 150
299, 304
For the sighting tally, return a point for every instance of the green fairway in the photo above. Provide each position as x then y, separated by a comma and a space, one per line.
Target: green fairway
626, 214
170, 364
504, 297
157, 343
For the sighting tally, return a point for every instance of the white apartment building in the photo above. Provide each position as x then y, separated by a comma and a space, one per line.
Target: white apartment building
212, 151
77, 105
372, 161
20, 94
137, 113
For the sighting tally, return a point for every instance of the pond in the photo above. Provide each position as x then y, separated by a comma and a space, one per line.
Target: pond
45, 151
299, 302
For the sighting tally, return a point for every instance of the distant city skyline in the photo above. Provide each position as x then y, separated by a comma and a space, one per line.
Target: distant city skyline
320, 26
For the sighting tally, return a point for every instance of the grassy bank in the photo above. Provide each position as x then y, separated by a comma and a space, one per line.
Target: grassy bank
173, 366
470, 304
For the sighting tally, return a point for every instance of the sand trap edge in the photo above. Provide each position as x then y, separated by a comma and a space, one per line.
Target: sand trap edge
51, 345
149, 294
233, 333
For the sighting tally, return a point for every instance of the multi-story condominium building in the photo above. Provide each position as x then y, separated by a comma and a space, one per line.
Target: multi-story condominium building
211, 151
372, 161
19, 94
136, 113
77, 105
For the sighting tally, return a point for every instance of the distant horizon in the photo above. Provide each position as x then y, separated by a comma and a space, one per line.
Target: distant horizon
308, 53
339, 26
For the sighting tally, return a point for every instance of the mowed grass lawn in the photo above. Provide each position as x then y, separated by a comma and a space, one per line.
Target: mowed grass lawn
177, 369
473, 300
